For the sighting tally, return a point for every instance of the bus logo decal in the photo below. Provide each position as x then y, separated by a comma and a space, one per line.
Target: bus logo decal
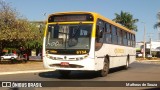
118, 50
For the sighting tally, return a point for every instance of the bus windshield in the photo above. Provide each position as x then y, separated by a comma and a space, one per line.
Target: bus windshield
76, 36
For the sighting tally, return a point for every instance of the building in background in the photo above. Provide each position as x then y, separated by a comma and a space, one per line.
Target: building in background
152, 48
139, 47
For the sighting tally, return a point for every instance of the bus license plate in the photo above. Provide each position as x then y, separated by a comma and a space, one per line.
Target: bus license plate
64, 63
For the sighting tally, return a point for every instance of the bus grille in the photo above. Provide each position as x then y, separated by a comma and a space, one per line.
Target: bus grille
68, 66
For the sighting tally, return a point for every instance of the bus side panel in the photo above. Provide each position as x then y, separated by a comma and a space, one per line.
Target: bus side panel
117, 55
131, 52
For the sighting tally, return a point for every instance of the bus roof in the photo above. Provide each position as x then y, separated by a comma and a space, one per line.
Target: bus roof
96, 15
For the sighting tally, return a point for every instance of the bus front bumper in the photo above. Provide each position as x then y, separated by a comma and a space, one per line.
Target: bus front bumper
86, 64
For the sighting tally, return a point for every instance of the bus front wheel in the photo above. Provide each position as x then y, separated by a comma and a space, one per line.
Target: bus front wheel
105, 69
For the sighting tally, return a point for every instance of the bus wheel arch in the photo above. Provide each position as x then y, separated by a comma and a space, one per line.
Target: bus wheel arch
107, 56
127, 62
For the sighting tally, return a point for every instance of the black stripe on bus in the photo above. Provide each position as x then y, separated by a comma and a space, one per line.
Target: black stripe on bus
116, 56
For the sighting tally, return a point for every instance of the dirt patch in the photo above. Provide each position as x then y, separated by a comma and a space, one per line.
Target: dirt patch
20, 66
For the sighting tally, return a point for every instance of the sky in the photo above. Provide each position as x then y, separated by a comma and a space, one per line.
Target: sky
144, 10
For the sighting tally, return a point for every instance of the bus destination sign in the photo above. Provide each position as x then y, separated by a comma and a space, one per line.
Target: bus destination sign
68, 18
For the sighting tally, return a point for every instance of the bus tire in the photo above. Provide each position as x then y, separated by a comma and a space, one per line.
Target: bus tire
127, 63
105, 70
64, 73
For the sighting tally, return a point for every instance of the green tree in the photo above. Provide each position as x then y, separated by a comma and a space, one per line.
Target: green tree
16, 31
126, 19
158, 23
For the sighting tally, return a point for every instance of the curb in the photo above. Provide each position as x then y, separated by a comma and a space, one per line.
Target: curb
155, 62
22, 72
152, 60
148, 60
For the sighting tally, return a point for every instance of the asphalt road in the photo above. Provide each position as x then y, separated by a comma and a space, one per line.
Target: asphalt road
136, 72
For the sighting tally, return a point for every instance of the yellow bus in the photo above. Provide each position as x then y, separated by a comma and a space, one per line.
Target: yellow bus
86, 41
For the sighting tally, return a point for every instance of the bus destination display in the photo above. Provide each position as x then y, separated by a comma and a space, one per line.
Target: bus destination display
68, 18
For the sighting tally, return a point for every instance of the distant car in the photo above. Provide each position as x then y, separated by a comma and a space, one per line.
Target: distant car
8, 56
149, 56
139, 54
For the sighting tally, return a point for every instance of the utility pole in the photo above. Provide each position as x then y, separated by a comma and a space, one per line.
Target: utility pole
158, 28
44, 17
42, 25
150, 46
150, 40
144, 41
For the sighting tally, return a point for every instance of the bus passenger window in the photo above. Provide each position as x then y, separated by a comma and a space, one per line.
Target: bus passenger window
125, 42
114, 35
108, 33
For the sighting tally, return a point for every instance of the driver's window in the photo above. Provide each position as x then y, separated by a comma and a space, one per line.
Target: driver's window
99, 34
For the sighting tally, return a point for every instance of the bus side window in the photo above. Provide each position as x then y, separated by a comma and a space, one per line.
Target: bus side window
133, 38
108, 33
125, 42
114, 35
119, 34
128, 38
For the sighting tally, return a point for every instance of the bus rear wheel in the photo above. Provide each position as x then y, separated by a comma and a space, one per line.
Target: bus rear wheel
105, 70
64, 73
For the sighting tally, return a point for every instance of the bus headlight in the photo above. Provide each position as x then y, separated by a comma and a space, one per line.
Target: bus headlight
51, 57
80, 58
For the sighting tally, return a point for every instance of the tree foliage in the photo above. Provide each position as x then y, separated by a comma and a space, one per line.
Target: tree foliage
158, 23
126, 19
15, 30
